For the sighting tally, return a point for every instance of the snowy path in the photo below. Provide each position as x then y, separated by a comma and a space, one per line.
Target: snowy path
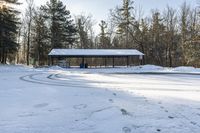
74, 102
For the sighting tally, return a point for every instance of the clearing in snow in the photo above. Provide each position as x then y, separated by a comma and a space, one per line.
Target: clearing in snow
54, 100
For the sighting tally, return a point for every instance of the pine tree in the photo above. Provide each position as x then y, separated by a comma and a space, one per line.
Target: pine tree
184, 18
141, 37
85, 33
127, 19
104, 40
157, 32
62, 29
8, 30
191, 46
82, 35
40, 46
124, 19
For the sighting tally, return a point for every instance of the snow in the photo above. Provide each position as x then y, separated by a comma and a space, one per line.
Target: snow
95, 52
15, 68
119, 100
146, 69
187, 69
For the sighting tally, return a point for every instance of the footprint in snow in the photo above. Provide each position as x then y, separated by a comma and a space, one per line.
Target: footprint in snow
80, 106
193, 123
124, 112
170, 117
53, 110
158, 130
111, 100
28, 114
114, 94
42, 105
126, 129
162, 107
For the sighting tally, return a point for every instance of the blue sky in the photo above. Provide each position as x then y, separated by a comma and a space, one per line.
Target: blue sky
99, 9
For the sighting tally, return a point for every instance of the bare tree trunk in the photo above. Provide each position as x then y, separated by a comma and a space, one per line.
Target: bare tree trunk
170, 58
3, 56
24, 50
28, 44
30, 17
18, 41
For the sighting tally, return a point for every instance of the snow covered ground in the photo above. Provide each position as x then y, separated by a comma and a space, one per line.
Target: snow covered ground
55, 100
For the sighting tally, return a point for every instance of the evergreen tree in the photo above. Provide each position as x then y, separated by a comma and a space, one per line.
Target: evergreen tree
104, 40
184, 25
83, 35
141, 37
191, 46
124, 20
8, 30
127, 19
40, 47
62, 30
157, 32
192, 52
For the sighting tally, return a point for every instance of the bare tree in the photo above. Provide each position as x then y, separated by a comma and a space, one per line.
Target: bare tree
170, 22
29, 18
85, 30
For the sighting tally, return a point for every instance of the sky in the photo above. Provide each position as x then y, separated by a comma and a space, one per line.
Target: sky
99, 9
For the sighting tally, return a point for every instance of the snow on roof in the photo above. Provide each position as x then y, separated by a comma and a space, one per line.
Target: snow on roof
95, 52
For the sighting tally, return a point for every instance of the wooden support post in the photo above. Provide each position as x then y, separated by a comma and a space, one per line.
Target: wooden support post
113, 62
141, 59
52, 61
105, 62
83, 62
68, 62
49, 61
141, 62
127, 59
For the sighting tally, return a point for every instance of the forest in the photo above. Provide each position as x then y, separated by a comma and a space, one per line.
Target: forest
169, 38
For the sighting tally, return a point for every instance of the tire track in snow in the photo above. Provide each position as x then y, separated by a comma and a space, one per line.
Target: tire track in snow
56, 80
32, 78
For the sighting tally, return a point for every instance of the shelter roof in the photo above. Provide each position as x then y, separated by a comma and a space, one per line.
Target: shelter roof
95, 52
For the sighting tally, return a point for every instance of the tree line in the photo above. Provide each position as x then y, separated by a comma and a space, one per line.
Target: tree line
168, 38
